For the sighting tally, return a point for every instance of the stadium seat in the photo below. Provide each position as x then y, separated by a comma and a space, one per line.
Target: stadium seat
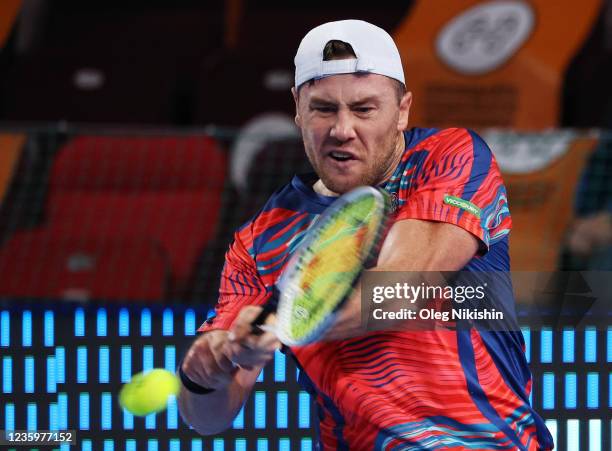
43, 265
166, 190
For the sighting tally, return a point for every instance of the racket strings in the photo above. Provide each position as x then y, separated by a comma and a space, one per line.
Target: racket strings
328, 266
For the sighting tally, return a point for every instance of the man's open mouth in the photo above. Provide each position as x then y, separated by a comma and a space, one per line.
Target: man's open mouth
339, 155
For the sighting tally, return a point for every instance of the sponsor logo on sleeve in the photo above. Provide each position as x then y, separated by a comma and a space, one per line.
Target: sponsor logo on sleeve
462, 204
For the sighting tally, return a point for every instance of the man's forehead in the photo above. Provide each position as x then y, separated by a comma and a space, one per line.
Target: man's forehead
349, 87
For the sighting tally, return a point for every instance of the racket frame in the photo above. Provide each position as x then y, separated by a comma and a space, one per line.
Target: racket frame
280, 290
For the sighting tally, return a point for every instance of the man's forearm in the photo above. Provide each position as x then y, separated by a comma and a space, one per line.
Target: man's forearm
214, 412
349, 322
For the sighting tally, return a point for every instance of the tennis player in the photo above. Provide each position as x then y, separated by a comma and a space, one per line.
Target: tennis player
437, 389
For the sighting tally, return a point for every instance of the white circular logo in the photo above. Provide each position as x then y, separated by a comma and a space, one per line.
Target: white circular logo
486, 36
523, 153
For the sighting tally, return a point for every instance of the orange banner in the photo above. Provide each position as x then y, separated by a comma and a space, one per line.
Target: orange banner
541, 172
9, 9
11, 146
499, 63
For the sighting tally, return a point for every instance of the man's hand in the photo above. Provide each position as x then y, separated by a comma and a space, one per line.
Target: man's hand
246, 349
228, 362
206, 364
215, 357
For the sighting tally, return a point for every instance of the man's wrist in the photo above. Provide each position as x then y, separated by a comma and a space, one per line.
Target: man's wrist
190, 385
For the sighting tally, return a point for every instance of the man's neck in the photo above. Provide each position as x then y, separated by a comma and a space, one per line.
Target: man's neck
400, 147
320, 188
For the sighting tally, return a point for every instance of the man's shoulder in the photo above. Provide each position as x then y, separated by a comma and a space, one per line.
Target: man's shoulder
445, 143
286, 206
278, 201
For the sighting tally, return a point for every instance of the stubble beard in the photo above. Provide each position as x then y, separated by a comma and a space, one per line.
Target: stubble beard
372, 176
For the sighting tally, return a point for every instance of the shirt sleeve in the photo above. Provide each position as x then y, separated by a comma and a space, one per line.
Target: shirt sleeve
240, 284
459, 182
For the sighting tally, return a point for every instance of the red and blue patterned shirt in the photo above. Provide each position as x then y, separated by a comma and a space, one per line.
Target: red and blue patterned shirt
435, 389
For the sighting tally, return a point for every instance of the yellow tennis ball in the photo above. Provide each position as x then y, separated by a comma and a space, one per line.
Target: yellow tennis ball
148, 392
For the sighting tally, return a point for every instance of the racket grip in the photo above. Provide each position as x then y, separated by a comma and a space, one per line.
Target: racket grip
268, 308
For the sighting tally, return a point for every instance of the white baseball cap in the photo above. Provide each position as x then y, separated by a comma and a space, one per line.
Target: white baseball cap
374, 47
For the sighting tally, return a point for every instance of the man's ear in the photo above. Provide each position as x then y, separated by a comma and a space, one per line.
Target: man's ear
404, 111
297, 118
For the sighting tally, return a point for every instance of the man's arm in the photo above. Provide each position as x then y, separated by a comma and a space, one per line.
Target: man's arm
416, 245
411, 245
228, 362
206, 365
226, 357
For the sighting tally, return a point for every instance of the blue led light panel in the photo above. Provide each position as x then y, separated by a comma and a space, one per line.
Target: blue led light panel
61, 368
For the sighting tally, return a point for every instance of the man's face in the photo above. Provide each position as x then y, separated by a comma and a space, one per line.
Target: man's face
351, 126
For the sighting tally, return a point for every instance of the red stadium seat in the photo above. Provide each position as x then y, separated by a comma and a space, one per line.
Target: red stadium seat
137, 164
162, 190
43, 265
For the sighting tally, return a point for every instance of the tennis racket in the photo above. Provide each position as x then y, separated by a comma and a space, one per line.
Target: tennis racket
325, 267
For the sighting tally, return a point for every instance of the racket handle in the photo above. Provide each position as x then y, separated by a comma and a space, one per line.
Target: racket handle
268, 308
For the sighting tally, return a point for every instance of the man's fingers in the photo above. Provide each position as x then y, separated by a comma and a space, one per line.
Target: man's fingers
243, 347
241, 355
200, 374
242, 325
269, 341
224, 363
235, 350
266, 342
253, 350
205, 363
213, 359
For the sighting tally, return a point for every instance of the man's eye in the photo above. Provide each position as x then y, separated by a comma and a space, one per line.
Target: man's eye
323, 109
364, 109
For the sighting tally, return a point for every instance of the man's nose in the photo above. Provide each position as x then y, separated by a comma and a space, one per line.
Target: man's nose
343, 128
